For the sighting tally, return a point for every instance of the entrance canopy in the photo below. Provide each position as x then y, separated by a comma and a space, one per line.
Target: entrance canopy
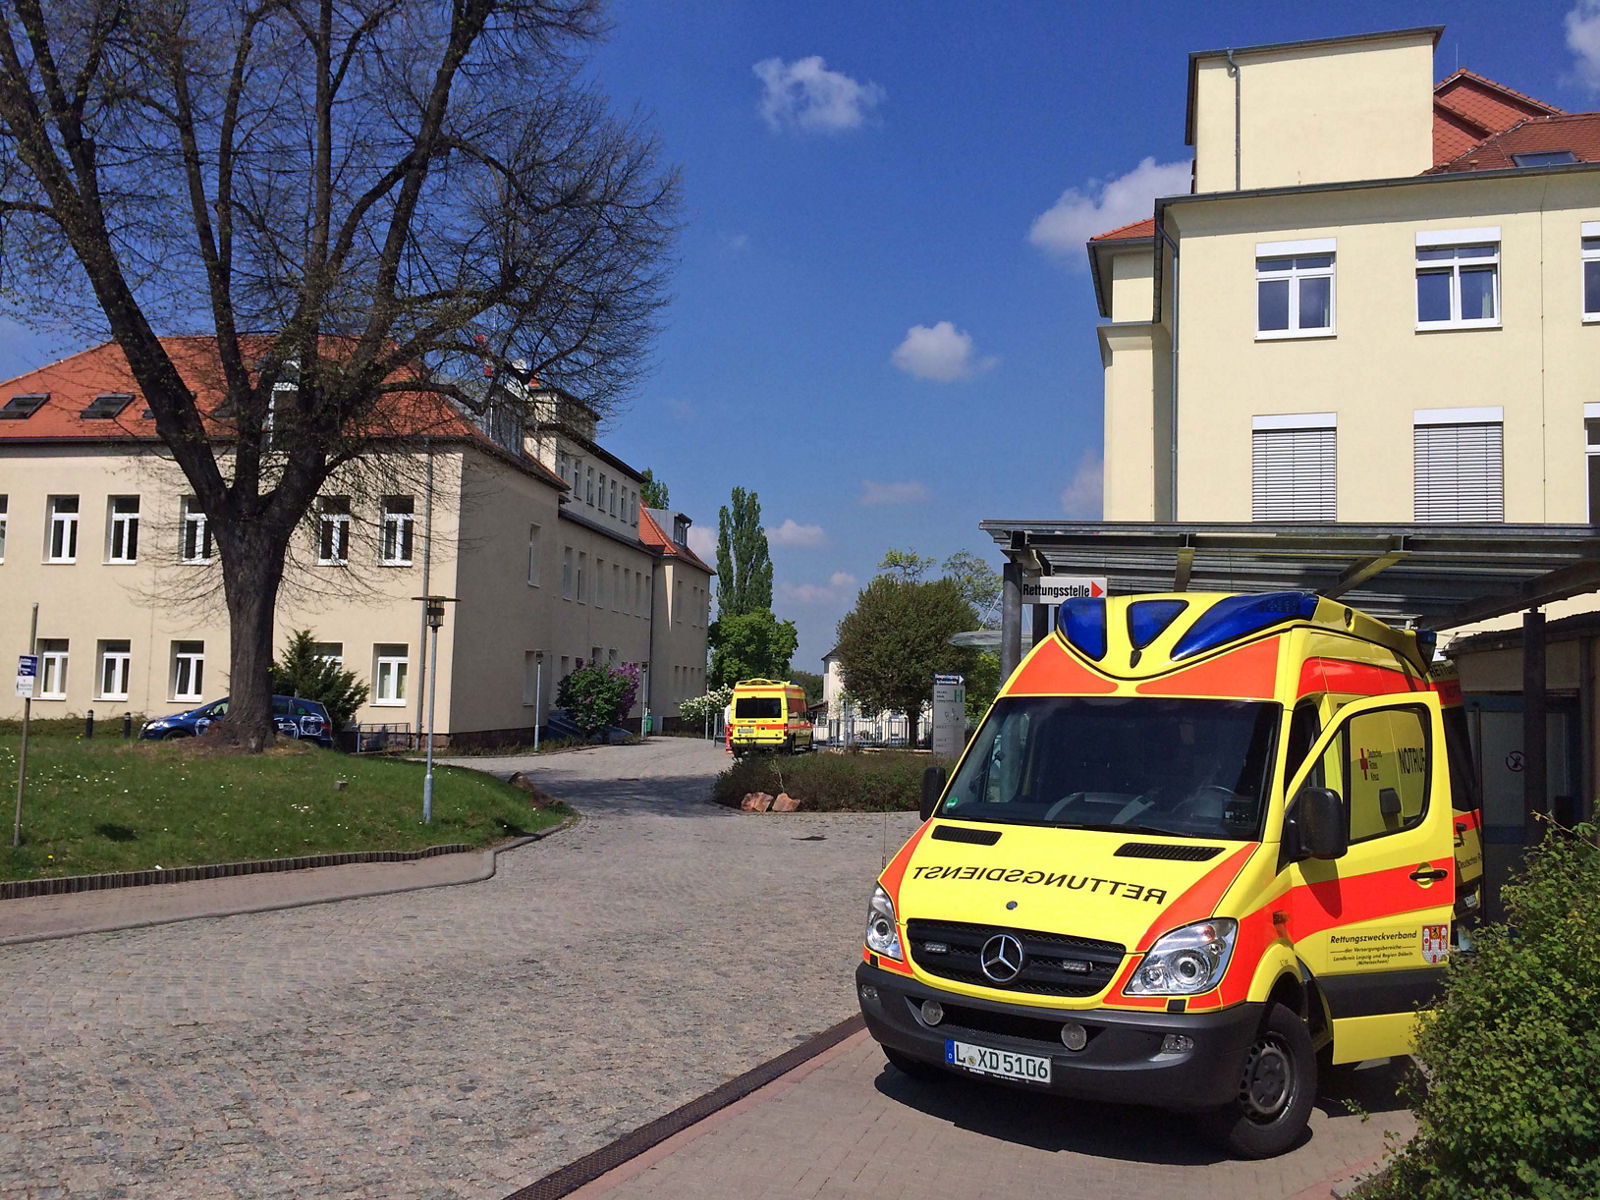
1437, 576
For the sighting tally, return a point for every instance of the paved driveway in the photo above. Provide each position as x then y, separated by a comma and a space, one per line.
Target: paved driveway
458, 1042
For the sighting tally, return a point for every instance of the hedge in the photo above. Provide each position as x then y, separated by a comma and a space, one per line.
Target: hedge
824, 782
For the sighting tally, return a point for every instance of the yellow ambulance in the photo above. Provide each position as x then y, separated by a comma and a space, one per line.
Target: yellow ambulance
769, 714
1198, 842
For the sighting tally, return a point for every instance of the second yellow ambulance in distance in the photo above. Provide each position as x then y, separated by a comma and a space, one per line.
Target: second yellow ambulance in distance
1197, 840
769, 714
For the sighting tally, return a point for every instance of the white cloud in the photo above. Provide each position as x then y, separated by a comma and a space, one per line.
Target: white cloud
840, 588
703, 542
1100, 205
1083, 498
804, 94
1583, 39
942, 352
790, 533
874, 495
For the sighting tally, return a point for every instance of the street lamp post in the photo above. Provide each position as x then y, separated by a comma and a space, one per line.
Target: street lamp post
433, 613
538, 694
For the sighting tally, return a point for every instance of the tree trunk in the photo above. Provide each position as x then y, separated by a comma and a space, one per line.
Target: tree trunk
251, 575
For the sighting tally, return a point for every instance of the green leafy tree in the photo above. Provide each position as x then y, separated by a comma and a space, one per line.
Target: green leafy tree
980, 585
905, 565
744, 565
1506, 1101
753, 645
983, 684
597, 696
303, 672
897, 638
812, 682
652, 491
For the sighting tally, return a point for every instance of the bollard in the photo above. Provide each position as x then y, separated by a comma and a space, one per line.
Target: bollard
88, 723
127, 726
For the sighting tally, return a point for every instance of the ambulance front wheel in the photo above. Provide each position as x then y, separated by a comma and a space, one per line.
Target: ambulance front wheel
1276, 1089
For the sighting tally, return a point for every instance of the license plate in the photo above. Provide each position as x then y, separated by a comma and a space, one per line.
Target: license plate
1004, 1064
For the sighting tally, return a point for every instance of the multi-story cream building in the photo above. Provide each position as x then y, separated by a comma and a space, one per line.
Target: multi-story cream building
1380, 303
535, 530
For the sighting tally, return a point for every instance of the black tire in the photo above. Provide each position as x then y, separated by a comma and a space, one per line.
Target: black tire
1276, 1088
178, 733
913, 1068
788, 745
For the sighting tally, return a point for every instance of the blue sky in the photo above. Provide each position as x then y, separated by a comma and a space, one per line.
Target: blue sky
864, 332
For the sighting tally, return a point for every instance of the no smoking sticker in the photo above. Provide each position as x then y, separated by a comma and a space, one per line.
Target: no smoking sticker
1435, 943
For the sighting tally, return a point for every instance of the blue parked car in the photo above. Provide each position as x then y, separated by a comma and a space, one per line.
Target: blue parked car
295, 717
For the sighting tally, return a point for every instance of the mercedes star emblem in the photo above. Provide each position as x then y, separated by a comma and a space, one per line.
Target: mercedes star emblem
1001, 958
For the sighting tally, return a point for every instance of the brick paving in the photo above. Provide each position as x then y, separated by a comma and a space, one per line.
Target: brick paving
847, 1125
453, 1042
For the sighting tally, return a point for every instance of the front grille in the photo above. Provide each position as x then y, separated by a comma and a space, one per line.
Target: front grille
1054, 964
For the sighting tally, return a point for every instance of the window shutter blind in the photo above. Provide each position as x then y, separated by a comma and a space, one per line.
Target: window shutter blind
1294, 475
1459, 473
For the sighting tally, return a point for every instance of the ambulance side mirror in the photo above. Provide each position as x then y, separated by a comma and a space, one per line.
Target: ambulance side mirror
932, 786
1315, 824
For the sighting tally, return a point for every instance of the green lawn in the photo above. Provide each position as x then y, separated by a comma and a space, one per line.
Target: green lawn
110, 805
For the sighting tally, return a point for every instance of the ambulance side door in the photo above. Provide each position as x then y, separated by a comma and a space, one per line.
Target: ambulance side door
1372, 926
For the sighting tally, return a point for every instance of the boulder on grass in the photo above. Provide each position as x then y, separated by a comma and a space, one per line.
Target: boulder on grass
785, 803
756, 802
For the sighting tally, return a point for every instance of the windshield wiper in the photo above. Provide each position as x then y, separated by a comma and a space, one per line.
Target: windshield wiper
1147, 830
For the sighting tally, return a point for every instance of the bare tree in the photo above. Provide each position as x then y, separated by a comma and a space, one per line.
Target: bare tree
366, 201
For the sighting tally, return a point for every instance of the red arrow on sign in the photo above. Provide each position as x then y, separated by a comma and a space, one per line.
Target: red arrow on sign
1095, 590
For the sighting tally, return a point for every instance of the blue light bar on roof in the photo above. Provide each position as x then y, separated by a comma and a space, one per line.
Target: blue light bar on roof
1148, 618
1240, 615
1083, 623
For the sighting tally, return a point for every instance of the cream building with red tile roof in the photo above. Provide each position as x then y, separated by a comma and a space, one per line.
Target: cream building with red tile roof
534, 527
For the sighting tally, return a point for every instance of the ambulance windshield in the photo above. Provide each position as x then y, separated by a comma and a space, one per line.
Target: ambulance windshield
1180, 768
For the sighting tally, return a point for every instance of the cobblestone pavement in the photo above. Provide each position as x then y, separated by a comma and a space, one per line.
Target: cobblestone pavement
454, 1042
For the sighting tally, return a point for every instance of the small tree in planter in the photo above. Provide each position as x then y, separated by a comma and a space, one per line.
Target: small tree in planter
597, 696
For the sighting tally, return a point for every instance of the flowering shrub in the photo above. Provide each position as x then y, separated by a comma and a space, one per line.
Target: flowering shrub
597, 696
697, 709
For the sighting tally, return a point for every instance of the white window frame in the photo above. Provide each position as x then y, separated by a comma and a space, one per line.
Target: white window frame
1291, 423
118, 655
613, 509
1459, 417
391, 674
533, 556
1591, 452
5, 502
333, 531
188, 678
1443, 239
583, 561
588, 476
65, 524
194, 529
54, 658
399, 527
331, 652
122, 530
1278, 261
1589, 255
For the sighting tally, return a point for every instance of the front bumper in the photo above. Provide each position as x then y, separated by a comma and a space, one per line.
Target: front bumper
1122, 1062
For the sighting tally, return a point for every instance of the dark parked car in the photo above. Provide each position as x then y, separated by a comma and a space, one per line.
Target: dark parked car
295, 717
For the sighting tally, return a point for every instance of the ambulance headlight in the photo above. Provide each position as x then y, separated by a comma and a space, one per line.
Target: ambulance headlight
1186, 961
882, 935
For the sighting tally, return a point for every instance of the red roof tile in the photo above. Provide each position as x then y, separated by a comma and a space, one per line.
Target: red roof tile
1137, 229
1468, 108
651, 534
1577, 132
72, 384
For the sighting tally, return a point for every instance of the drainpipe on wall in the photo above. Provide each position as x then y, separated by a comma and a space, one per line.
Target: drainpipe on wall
1172, 403
427, 562
1233, 73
